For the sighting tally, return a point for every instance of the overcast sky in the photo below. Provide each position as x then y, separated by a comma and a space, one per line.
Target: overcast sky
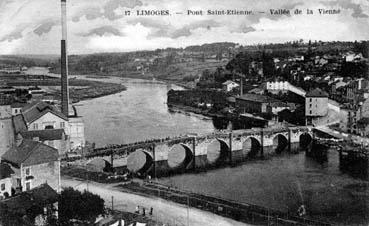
33, 26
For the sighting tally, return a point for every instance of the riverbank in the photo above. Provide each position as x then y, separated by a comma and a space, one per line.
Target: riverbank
243, 212
79, 89
95, 90
185, 109
221, 121
167, 212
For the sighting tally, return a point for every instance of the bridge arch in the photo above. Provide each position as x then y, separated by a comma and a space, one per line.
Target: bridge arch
251, 147
139, 161
98, 165
305, 139
217, 151
179, 156
280, 143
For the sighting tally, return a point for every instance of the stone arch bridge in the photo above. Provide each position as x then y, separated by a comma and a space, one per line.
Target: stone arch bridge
183, 154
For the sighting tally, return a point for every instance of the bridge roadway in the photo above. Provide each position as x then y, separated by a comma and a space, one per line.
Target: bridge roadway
163, 156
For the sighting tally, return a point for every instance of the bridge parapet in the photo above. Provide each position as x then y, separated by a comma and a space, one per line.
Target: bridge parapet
226, 145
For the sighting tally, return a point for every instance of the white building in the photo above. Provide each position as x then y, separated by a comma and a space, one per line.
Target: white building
351, 56
229, 85
284, 86
16, 108
316, 105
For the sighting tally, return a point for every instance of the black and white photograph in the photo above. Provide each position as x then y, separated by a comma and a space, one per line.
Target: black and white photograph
184, 113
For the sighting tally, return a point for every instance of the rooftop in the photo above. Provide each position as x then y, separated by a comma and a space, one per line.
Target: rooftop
17, 105
19, 124
228, 82
257, 98
35, 110
49, 134
23, 202
30, 153
316, 93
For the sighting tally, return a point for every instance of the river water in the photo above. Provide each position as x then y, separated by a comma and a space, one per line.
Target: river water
137, 114
281, 182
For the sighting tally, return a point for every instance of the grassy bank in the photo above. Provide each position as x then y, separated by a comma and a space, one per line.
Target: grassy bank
80, 89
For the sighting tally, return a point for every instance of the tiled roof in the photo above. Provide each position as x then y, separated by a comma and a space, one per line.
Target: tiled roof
35, 110
228, 82
5, 170
30, 153
257, 98
19, 124
317, 93
256, 90
17, 105
43, 194
278, 104
48, 134
23, 202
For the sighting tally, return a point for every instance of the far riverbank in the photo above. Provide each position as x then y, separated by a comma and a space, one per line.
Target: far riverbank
84, 88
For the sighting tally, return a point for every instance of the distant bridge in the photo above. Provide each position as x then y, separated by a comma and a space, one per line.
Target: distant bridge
161, 157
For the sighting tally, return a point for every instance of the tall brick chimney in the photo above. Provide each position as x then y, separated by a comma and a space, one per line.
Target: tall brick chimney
64, 61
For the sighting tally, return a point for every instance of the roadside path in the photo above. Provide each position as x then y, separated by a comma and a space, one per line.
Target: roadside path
164, 211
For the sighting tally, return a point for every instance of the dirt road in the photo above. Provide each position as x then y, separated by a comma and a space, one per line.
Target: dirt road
164, 211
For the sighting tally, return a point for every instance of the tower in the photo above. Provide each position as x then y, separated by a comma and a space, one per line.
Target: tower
64, 60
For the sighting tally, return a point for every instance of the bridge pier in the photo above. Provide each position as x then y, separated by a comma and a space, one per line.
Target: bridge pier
262, 143
112, 157
154, 163
194, 153
230, 148
289, 141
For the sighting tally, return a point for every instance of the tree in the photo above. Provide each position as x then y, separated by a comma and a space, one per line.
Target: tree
241, 64
76, 205
9, 217
268, 65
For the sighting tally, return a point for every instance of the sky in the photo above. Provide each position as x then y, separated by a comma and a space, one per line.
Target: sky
34, 27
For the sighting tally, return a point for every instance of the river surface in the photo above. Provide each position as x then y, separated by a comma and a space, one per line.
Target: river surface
137, 114
282, 182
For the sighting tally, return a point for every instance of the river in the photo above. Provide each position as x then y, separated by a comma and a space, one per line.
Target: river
137, 114
281, 182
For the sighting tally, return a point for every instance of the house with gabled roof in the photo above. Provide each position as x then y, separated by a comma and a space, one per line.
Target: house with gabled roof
39, 116
229, 85
33, 163
55, 138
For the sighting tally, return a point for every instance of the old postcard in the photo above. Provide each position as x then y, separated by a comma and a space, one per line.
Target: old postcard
184, 113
